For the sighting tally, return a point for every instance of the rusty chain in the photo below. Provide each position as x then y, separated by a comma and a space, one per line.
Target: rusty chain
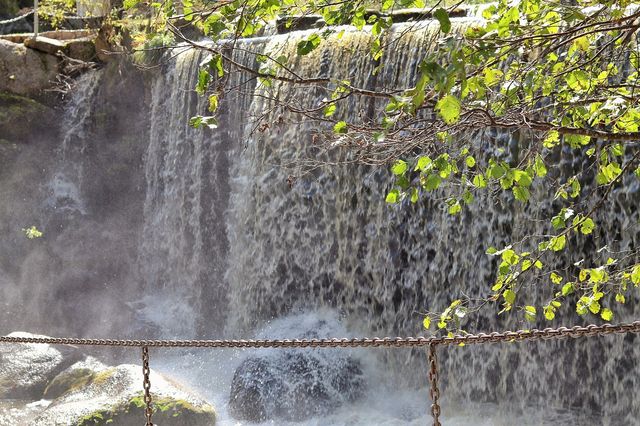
431, 342
467, 339
146, 385
434, 392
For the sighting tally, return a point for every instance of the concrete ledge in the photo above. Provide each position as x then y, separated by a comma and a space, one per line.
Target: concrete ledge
296, 23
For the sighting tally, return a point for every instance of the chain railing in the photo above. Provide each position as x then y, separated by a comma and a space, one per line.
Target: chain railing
431, 343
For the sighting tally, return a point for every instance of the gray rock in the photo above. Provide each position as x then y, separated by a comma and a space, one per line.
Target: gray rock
35, 118
45, 44
25, 71
294, 385
26, 369
91, 393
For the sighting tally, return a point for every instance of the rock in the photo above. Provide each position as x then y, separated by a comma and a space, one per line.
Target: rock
25, 71
106, 49
91, 393
294, 385
45, 44
34, 117
82, 49
8, 8
26, 369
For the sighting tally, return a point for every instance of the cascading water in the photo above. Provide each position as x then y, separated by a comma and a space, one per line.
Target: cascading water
63, 188
223, 245
329, 241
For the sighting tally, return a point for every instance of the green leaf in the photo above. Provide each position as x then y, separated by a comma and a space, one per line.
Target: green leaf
340, 127
393, 196
539, 167
426, 322
216, 63
635, 275
432, 182
200, 121
509, 296
492, 76
414, 195
470, 161
203, 82
449, 108
567, 289
530, 313
32, 232
479, 181
606, 314
557, 243
423, 163
307, 46
213, 103
521, 193
455, 208
329, 110
492, 251
552, 139
587, 226
443, 18
399, 167
549, 313
555, 278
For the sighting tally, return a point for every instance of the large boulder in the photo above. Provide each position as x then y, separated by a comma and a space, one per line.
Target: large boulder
25, 71
45, 385
91, 393
294, 385
26, 369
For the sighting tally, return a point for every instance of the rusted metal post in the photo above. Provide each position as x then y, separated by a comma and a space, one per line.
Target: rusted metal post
36, 19
434, 393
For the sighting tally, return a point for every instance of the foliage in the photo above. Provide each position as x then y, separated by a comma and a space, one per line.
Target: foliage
564, 75
32, 232
55, 11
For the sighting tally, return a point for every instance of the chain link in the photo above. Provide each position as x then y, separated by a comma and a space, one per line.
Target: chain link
434, 392
467, 339
146, 384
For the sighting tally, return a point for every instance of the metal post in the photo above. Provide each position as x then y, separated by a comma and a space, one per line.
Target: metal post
36, 20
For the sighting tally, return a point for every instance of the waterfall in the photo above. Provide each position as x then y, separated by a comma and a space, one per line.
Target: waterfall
156, 229
64, 186
329, 240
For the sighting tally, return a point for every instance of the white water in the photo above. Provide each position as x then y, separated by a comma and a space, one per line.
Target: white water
210, 372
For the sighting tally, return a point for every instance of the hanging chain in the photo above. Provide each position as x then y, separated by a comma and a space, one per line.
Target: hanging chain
374, 342
398, 342
146, 384
433, 380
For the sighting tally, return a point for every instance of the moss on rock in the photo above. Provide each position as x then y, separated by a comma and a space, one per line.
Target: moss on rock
32, 116
69, 381
166, 411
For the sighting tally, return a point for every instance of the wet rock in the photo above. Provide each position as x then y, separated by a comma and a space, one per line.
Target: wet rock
294, 385
33, 116
26, 369
91, 393
25, 71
